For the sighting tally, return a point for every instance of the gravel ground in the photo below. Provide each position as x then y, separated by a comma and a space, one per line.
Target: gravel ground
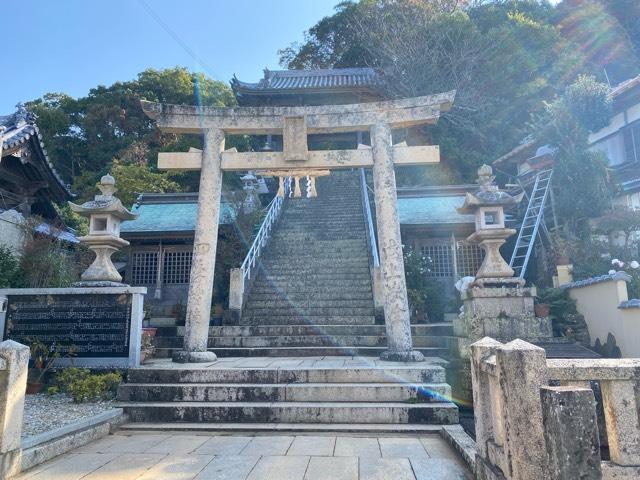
44, 412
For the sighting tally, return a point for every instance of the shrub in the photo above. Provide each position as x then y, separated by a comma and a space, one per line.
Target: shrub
10, 273
423, 290
83, 386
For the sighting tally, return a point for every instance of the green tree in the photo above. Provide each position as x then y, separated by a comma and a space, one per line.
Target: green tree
85, 135
580, 177
502, 58
132, 179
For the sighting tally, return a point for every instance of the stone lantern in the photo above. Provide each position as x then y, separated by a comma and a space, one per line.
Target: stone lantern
250, 187
496, 304
488, 204
105, 214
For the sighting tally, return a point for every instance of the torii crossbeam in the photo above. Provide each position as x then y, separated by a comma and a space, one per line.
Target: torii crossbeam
294, 124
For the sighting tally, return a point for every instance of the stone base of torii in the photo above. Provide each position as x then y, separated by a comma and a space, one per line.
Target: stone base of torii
295, 123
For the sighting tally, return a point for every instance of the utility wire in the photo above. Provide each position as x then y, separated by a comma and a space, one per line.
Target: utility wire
177, 38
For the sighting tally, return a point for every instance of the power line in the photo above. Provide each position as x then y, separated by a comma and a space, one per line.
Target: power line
177, 38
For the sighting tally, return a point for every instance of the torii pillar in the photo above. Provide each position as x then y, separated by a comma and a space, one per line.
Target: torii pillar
296, 160
396, 306
203, 261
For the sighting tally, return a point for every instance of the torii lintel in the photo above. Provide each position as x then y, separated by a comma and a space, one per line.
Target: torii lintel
401, 113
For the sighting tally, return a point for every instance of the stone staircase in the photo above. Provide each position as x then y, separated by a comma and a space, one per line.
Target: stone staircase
299, 391
305, 353
312, 295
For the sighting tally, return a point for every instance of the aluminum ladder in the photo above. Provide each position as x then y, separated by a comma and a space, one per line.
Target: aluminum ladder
533, 219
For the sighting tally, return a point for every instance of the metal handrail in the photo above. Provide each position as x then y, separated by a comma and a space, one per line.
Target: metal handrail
367, 209
273, 211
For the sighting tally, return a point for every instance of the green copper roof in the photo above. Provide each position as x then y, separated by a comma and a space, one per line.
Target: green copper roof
178, 215
430, 210
170, 217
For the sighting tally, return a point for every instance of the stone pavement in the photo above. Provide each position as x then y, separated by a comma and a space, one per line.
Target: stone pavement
188, 456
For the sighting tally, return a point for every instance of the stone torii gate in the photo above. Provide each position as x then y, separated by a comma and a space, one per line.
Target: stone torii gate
294, 124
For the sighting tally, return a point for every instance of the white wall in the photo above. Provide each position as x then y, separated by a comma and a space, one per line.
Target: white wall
12, 234
599, 303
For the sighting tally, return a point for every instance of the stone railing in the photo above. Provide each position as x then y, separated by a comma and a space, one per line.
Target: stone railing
526, 429
14, 363
240, 278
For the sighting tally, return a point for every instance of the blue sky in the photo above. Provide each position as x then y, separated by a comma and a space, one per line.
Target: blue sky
71, 46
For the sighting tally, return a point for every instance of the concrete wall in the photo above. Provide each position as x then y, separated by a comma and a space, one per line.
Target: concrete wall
12, 234
600, 302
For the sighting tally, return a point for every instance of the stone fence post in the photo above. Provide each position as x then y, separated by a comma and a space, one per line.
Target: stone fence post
236, 296
14, 363
506, 394
526, 429
571, 433
622, 417
522, 370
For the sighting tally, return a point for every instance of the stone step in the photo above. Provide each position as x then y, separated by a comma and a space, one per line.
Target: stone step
273, 291
347, 235
313, 268
302, 341
433, 329
427, 372
368, 428
341, 279
274, 294
311, 311
288, 302
445, 413
328, 260
250, 318
295, 392
305, 351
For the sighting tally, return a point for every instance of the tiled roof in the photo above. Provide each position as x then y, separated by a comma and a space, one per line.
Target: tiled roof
170, 213
20, 128
567, 350
430, 210
322, 79
624, 86
600, 279
633, 303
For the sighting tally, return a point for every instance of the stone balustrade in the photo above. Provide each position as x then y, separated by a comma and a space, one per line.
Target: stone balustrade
14, 363
527, 429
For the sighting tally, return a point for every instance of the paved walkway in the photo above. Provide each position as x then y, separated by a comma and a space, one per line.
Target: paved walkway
188, 456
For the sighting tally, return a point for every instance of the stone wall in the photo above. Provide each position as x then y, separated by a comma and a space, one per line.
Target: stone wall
605, 305
527, 429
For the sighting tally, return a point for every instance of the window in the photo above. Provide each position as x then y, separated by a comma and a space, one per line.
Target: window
469, 257
144, 268
441, 258
631, 135
177, 267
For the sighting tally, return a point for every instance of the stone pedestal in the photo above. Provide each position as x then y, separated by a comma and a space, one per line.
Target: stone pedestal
204, 254
396, 305
102, 268
503, 313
